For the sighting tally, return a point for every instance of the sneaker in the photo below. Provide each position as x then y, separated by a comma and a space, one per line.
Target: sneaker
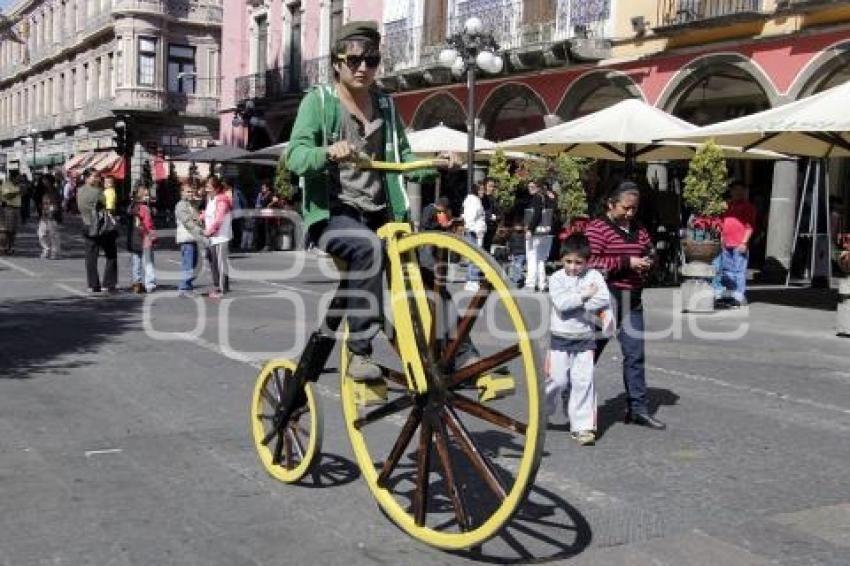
45, 254
185, 293
361, 368
214, 295
471, 286
92, 291
584, 437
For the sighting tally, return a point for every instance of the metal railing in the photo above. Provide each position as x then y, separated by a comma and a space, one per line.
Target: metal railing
408, 47
207, 11
683, 12
271, 83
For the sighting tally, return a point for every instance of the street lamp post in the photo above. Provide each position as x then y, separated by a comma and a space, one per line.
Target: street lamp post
472, 49
34, 137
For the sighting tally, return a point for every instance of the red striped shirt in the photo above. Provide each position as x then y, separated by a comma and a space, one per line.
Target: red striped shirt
611, 247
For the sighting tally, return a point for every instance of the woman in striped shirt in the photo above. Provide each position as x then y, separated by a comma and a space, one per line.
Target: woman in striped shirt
621, 250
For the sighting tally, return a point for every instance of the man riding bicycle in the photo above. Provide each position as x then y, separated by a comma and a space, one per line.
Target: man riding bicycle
344, 205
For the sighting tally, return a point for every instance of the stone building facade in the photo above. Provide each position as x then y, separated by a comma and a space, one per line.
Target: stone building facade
69, 69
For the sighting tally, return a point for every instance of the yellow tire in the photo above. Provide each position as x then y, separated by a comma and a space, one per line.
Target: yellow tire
481, 451
286, 454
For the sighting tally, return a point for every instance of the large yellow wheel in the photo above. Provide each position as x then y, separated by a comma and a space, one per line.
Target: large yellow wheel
287, 452
480, 439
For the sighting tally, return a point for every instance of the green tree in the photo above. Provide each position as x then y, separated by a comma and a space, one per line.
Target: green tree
569, 173
706, 181
283, 180
506, 182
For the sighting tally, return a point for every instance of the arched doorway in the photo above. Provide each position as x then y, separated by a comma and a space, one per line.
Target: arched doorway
830, 68
511, 110
439, 109
596, 91
719, 88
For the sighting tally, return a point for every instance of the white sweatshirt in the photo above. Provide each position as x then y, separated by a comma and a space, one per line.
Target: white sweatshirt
474, 219
572, 317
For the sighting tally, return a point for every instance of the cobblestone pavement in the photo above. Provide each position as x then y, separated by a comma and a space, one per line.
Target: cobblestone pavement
124, 446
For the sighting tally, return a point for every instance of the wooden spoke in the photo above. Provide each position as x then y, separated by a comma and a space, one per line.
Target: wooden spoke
278, 384
394, 376
479, 462
401, 443
384, 410
440, 437
464, 325
277, 455
296, 442
287, 446
265, 417
423, 469
269, 397
492, 416
483, 365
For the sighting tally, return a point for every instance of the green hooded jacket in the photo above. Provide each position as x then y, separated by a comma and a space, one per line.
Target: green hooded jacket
315, 128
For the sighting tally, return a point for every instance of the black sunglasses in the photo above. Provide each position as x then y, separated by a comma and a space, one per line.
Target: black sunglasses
354, 61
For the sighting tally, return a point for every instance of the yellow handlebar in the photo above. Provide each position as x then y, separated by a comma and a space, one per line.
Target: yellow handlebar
401, 167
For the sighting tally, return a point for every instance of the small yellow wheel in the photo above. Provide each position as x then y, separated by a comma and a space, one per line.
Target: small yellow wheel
287, 452
459, 480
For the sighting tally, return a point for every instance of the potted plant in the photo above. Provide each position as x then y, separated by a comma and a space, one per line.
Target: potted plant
506, 181
572, 200
703, 194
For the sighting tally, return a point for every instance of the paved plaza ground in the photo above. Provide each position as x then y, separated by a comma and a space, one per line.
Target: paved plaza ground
120, 445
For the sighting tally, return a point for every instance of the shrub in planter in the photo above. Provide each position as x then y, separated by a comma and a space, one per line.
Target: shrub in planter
703, 192
506, 181
572, 200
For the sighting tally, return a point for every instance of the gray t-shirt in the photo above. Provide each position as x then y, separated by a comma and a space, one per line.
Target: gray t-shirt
362, 189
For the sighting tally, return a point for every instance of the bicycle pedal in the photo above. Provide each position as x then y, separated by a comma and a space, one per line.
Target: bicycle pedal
491, 387
370, 392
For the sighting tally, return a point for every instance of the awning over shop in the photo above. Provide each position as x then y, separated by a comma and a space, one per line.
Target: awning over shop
46, 160
107, 162
77, 163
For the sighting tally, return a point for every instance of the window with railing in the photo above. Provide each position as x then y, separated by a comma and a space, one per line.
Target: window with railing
682, 12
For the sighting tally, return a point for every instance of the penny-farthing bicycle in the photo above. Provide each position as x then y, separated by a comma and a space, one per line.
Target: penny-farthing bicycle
448, 444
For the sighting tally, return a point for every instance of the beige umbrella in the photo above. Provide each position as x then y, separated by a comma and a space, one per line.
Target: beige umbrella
626, 131
442, 138
816, 126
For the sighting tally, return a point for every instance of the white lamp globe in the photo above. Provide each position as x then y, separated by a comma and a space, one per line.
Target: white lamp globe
473, 26
447, 57
496, 64
458, 67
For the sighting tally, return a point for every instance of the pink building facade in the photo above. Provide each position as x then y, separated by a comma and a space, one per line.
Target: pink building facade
272, 51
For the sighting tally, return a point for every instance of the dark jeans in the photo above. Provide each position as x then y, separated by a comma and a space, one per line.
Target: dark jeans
350, 236
110, 250
630, 326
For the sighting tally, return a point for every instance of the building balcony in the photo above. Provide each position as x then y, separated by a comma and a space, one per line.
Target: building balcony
140, 99
195, 11
575, 30
791, 6
677, 15
270, 84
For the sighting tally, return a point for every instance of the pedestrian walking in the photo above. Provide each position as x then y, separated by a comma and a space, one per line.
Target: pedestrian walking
579, 296
99, 234
218, 228
474, 229
50, 218
619, 246
10, 202
538, 225
69, 194
516, 251
141, 241
492, 213
237, 207
189, 236
737, 227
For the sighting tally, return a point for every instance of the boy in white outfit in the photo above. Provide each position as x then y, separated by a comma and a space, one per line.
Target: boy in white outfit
578, 295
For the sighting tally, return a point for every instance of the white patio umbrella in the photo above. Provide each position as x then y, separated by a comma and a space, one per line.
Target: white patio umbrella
442, 138
626, 131
816, 126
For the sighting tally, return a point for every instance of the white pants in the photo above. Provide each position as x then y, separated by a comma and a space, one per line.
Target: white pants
536, 252
573, 371
49, 238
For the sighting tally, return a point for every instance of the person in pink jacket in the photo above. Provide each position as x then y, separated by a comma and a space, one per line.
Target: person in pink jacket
140, 242
218, 228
